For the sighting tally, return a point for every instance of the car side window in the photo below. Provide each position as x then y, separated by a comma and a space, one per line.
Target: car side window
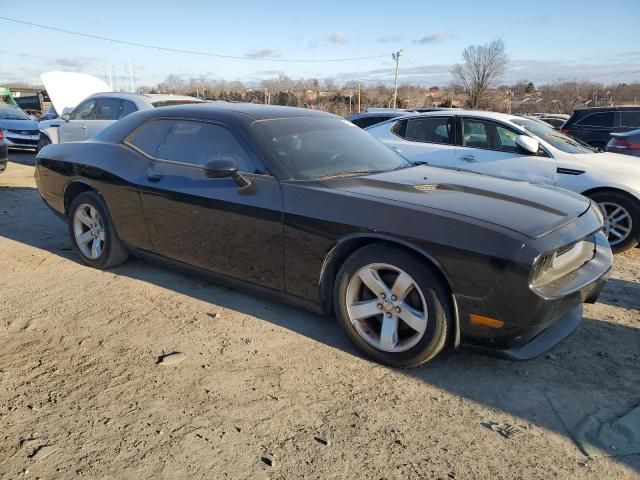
127, 107
489, 135
430, 130
84, 111
630, 118
197, 143
507, 140
474, 134
108, 108
599, 119
148, 137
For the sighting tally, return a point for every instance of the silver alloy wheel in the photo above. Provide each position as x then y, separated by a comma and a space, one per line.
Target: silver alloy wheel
386, 307
617, 222
88, 229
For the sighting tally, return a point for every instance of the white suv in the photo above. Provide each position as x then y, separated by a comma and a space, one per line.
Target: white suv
523, 149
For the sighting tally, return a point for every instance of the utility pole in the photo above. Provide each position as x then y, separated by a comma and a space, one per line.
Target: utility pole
130, 65
396, 57
359, 97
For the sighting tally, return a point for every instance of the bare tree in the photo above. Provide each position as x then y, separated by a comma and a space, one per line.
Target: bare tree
483, 65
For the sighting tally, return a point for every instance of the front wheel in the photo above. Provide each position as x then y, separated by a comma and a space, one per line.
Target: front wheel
621, 219
92, 233
42, 142
393, 306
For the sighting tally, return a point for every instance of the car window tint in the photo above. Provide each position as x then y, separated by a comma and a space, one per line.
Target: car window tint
108, 109
127, 107
474, 134
198, 143
630, 119
600, 119
148, 137
84, 110
430, 130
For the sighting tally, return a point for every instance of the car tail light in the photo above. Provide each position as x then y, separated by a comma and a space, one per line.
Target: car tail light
619, 143
565, 131
1, 134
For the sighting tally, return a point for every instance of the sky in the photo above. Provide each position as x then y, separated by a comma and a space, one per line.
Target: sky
546, 40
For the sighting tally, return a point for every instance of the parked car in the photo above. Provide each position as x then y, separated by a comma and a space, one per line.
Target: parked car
4, 153
523, 149
625, 142
556, 120
594, 125
18, 129
366, 119
102, 109
307, 207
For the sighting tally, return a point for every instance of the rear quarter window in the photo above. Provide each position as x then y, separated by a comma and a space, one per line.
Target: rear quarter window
630, 119
148, 137
598, 119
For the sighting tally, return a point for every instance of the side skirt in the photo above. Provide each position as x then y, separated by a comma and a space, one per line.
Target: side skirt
236, 284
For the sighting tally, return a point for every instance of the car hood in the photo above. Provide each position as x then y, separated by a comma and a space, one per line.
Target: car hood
532, 210
67, 89
602, 161
19, 124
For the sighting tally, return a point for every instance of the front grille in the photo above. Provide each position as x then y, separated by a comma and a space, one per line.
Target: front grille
22, 141
24, 132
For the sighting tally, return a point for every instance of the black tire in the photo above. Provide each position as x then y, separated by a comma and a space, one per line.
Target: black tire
42, 142
113, 252
632, 206
436, 294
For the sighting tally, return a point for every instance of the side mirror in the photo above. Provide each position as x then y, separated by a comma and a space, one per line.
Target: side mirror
225, 167
220, 168
66, 117
528, 144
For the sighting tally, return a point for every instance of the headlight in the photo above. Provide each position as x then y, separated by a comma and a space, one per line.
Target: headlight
563, 261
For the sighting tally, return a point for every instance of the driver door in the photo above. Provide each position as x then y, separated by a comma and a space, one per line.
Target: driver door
210, 223
75, 129
490, 148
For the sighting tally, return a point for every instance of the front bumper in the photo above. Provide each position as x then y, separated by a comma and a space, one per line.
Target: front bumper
534, 320
21, 141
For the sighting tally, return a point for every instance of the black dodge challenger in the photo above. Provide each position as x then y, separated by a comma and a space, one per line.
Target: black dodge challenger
308, 207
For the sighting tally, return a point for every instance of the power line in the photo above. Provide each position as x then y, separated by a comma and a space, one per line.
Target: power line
190, 52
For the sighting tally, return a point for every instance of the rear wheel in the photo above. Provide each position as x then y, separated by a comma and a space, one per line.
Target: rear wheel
92, 233
393, 306
621, 219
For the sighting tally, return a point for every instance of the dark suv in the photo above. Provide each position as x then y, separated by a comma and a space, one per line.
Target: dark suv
593, 125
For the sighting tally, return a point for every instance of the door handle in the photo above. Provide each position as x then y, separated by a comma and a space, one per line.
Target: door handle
83, 127
468, 158
154, 176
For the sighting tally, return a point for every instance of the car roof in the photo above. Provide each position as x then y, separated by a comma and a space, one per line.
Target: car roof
146, 97
256, 111
466, 113
393, 114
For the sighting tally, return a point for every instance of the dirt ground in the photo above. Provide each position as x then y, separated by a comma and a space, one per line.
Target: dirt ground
266, 390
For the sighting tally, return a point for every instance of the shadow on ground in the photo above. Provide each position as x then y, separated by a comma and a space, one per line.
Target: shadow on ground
597, 365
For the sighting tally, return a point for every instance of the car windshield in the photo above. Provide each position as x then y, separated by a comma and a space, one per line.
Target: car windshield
316, 148
557, 139
8, 113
